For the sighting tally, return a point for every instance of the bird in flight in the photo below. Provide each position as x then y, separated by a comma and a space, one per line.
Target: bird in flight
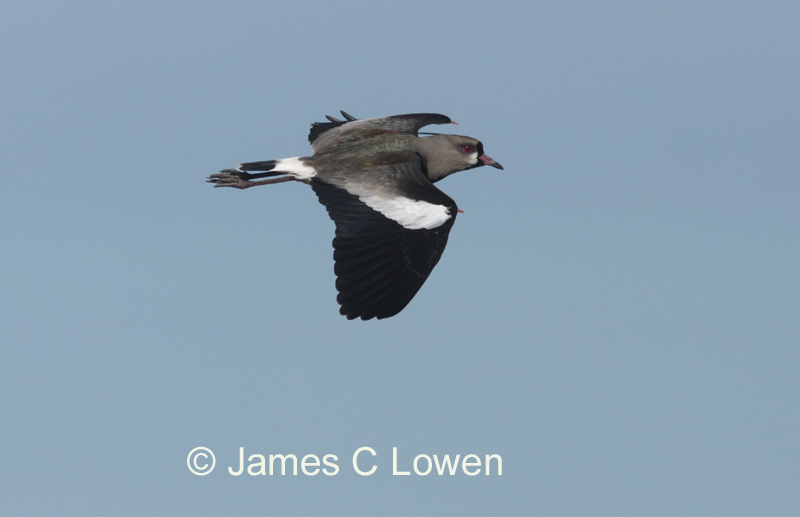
375, 177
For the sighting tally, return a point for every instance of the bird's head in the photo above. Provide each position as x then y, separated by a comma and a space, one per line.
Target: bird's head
446, 154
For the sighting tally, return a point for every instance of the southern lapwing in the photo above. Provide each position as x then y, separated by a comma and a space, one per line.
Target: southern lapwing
375, 177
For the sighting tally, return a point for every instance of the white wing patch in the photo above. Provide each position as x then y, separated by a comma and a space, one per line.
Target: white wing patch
410, 214
296, 168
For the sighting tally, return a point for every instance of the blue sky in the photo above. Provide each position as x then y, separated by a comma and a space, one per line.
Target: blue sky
616, 315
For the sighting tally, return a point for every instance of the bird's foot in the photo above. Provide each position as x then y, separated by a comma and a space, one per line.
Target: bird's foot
231, 178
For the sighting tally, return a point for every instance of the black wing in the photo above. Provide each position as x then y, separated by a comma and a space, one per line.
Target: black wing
379, 264
410, 123
317, 128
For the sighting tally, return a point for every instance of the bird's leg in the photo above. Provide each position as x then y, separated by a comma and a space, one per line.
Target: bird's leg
242, 180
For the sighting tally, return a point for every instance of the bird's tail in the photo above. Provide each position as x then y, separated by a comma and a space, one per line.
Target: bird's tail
299, 168
266, 166
246, 174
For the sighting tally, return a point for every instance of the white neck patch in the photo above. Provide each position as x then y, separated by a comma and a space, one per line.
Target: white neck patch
410, 214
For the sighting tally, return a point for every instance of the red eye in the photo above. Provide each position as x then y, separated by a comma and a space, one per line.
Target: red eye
468, 149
